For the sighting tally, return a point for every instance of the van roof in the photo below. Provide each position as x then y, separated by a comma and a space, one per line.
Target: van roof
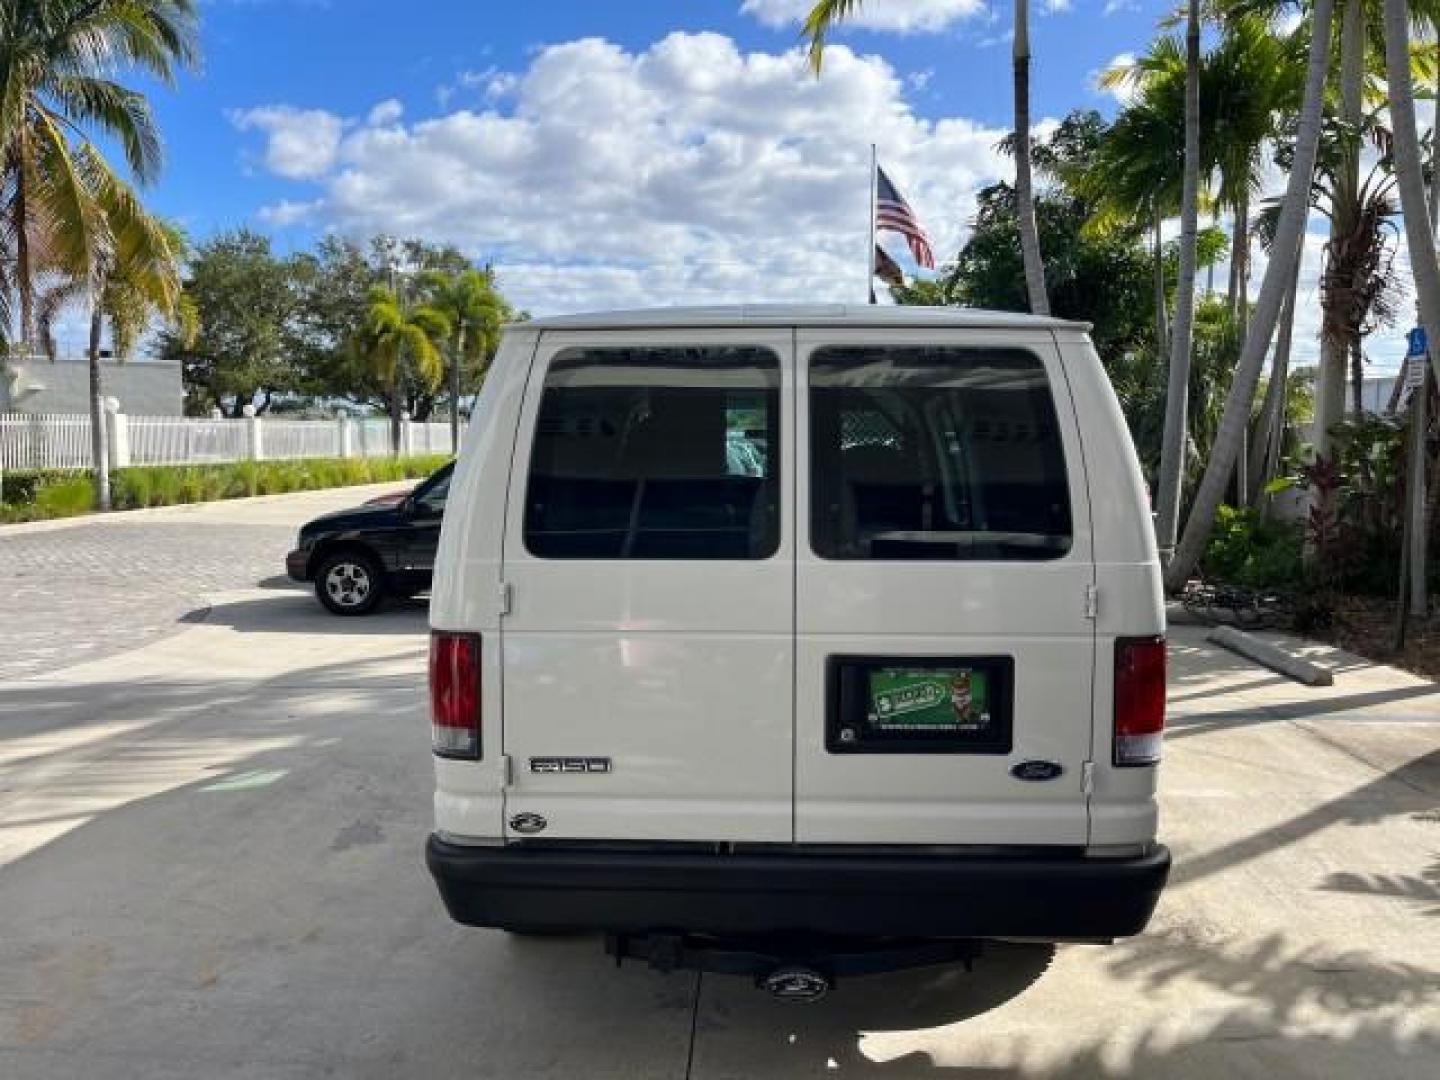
802, 315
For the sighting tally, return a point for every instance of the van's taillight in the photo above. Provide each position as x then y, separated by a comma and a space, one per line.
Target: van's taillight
455, 695
1139, 700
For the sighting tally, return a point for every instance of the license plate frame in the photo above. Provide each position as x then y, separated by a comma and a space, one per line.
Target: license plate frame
919, 704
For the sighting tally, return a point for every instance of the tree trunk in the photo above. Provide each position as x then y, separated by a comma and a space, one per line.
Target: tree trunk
1240, 254
24, 281
1024, 191
1330, 378
1410, 173
1420, 520
1172, 448
1162, 315
1265, 455
455, 363
1294, 210
1210, 270
397, 408
99, 445
1357, 377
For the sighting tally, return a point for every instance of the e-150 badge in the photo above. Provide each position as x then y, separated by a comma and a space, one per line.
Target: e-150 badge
934, 699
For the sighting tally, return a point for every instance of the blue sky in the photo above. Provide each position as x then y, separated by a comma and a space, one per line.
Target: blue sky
345, 56
618, 153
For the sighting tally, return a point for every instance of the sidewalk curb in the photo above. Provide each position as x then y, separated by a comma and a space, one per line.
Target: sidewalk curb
22, 528
1271, 656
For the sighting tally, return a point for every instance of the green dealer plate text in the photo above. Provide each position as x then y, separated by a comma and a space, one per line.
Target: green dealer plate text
931, 699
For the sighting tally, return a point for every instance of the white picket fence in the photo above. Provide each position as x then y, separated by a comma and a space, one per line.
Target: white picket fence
174, 440
44, 442
63, 441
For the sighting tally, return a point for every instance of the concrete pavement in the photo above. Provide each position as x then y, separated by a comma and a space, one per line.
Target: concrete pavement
210, 866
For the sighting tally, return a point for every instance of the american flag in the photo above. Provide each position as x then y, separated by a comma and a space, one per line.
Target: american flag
892, 212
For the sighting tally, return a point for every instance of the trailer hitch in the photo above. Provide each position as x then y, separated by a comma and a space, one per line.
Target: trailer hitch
797, 968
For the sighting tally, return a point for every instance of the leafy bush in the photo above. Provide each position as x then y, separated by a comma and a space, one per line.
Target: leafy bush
18, 486
1251, 554
38, 494
64, 499
1356, 526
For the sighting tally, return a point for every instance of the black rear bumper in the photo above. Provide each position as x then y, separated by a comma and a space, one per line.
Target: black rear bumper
922, 894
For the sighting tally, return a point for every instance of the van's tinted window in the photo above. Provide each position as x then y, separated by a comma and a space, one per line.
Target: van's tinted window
935, 453
658, 453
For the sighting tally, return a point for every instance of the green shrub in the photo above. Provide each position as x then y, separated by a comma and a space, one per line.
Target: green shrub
18, 486
37, 494
1251, 554
65, 498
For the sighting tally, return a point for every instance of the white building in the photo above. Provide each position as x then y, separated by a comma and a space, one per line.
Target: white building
36, 386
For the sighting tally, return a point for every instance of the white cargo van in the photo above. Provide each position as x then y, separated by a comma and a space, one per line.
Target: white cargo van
783, 624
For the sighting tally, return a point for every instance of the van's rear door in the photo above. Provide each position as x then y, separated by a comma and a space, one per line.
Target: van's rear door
943, 572
648, 651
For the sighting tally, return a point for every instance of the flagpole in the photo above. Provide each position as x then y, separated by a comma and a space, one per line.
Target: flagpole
870, 251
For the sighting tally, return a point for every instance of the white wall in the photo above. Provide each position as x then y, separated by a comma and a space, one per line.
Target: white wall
144, 389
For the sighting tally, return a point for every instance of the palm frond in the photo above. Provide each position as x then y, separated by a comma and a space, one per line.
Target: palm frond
121, 113
824, 17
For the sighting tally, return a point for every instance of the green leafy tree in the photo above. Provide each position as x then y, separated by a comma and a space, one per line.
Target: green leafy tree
57, 65
247, 303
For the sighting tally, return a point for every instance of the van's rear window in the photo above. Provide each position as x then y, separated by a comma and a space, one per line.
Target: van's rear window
935, 453
657, 453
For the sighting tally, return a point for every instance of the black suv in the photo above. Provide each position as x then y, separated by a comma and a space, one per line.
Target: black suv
385, 548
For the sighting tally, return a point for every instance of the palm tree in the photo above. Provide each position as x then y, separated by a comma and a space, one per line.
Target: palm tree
1024, 190
1221, 107
475, 312
1330, 381
130, 274
826, 14
1135, 176
56, 59
1294, 211
399, 336
1270, 428
1172, 446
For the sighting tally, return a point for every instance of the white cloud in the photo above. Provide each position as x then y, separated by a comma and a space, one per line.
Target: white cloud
685, 172
288, 212
903, 15
300, 143
1114, 7
1055, 7
387, 112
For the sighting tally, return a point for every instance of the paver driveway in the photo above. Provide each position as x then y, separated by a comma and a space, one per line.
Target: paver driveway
79, 590
210, 867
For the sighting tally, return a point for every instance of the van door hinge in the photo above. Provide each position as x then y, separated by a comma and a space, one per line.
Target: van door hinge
1092, 601
502, 598
507, 770
1087, 778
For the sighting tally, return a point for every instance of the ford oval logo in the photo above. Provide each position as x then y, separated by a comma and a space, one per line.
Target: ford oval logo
1036, 770
528, 823
797, 984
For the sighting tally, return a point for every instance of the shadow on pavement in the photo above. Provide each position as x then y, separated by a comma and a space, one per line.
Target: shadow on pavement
298, 612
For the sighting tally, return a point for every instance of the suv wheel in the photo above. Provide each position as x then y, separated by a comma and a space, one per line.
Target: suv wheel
349, 583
